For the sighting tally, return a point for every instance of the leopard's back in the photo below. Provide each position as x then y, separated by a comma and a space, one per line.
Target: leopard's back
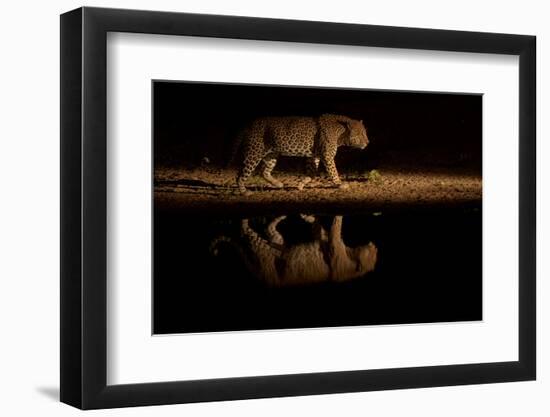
291, 136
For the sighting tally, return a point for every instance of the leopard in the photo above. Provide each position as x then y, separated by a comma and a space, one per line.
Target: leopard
281, 264
314, 138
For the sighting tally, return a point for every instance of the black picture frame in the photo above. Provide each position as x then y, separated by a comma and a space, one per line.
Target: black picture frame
84, 207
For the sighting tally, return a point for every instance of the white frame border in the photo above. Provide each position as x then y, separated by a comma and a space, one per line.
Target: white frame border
134, 356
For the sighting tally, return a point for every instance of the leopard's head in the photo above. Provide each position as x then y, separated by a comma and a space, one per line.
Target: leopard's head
366, 257
363, 260
358, 134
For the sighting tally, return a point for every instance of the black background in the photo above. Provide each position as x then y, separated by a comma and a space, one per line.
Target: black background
194, 120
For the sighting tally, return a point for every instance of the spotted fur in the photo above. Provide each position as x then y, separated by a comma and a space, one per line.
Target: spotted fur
317, 139
324, 259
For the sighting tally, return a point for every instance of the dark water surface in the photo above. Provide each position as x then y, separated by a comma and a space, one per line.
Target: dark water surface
213, 273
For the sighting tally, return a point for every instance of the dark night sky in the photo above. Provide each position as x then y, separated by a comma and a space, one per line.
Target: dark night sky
192, 120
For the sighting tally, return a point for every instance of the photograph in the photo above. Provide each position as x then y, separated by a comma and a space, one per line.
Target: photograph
292, 207
335, 205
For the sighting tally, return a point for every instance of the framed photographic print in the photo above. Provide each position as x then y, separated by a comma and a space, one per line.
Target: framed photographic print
257, 207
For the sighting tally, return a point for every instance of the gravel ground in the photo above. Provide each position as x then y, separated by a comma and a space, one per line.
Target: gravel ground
212, 188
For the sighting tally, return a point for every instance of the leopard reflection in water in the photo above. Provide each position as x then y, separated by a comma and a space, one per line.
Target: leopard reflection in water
325, 258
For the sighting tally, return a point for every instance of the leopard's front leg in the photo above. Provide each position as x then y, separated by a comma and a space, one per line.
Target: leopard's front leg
330, 166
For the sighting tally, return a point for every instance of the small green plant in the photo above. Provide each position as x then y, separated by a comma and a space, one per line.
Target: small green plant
374, 176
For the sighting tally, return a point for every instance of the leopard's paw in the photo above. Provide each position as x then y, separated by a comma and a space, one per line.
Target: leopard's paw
308, 218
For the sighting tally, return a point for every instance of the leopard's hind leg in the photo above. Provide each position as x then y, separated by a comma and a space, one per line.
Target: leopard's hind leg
265, 255
269, 164
273, 234
253, 156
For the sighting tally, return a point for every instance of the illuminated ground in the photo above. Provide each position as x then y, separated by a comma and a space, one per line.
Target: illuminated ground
210, 187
